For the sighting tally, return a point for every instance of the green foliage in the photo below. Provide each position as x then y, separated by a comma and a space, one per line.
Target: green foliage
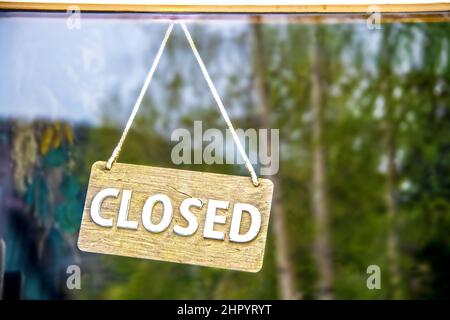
405, 66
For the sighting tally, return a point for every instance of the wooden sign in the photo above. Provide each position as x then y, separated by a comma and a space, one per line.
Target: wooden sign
174, 215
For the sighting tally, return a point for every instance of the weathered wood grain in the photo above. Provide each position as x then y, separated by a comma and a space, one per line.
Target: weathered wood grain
178, 185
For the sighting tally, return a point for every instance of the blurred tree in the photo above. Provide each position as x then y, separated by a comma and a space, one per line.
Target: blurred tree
390, 124
320, 206
285, 273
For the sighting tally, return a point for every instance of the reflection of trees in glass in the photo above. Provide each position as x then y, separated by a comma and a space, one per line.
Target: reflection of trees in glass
363, 117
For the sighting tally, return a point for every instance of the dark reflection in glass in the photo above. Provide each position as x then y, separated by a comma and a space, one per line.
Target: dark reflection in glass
363, 115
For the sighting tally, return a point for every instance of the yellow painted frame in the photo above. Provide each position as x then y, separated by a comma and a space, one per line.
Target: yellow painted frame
354, 8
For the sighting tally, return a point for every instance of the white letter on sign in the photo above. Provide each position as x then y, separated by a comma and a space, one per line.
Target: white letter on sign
97, 203
148, 210
122, 220
189, 216
212, 218
236, 223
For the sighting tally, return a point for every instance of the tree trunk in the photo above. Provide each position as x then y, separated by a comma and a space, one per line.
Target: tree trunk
322, 249
392, 242
391, 174
285, 271
2, 265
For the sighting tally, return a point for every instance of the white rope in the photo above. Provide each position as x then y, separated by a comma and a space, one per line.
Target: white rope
211, 86
115, 153
224, 113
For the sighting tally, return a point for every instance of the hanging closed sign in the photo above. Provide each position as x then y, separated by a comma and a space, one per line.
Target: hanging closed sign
175, 215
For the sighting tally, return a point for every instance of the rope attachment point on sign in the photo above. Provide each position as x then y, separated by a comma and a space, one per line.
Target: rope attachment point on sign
117, 149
